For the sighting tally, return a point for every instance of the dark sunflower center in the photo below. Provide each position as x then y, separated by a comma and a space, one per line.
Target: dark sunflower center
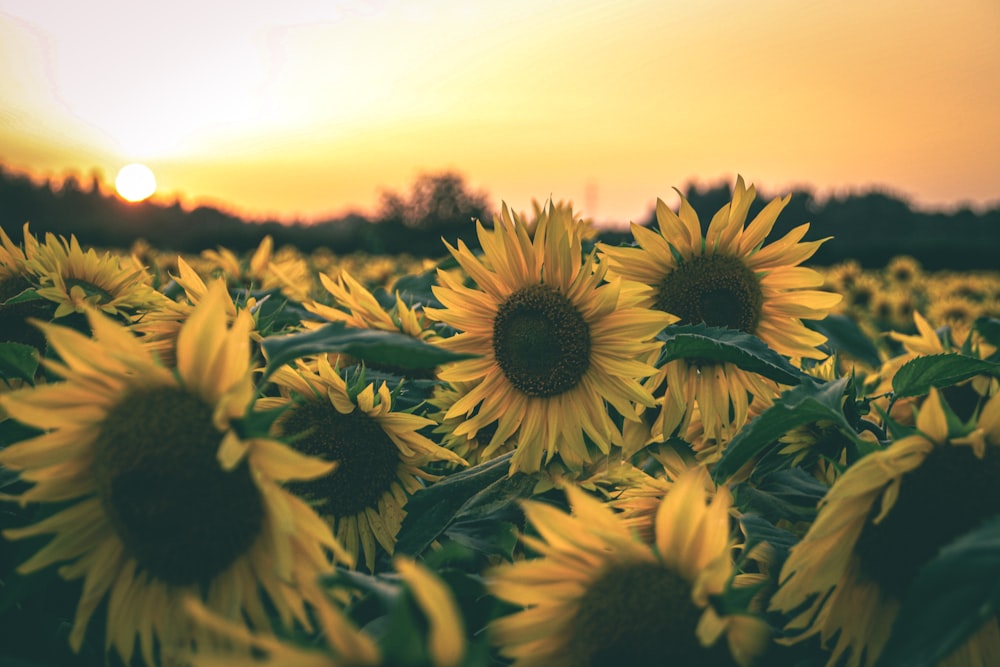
862, 296
179, 514
640, 614
951, 493
541, 341
368, 459
14, 325
717, 290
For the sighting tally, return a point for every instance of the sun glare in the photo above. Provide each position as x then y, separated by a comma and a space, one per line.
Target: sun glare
135, 182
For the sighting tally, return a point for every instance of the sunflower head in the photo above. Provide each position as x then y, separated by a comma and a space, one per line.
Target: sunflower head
881, 521
264, 269
555, 345
726, 277
597, 595
380, 455
76, 280
163, 490
903, 271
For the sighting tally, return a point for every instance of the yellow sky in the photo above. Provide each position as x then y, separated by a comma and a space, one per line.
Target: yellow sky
307, 108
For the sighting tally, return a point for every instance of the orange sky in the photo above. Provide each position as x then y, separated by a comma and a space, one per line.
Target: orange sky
305, 109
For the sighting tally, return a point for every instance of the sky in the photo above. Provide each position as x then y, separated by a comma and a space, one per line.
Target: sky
303, 110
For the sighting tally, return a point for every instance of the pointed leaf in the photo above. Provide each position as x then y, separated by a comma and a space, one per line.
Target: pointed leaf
791, 494
371, 345
804, 404
492, 538
917, 376
430, 511
726, 345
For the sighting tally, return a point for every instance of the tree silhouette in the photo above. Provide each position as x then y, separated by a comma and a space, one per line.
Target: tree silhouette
870, 227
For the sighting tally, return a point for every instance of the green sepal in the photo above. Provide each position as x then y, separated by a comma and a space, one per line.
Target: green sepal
717, 344
273, 310
30, 294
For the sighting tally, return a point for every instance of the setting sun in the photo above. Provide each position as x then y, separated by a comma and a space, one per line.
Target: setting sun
135, 182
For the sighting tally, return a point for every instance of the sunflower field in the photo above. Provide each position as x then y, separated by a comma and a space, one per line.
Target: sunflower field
694, 448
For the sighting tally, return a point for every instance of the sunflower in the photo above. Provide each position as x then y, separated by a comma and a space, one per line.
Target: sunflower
469, 446
588, 230
963, 397
956, 312
265, 269
362, 310
345, 645
75, 279
16, 277
727, 278
880, 522
379, 452
159, 328
841, 277
904, 272
555, 343
639, 500
859, 296
356, 306
165, 497
14, 260
597, 595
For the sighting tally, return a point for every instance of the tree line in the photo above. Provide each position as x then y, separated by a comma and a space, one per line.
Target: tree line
870, 227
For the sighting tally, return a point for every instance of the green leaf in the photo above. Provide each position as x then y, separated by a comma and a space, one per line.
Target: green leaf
791, 494
952, 596
491, 538
844, 335
917, 376
414, 289
809, 402
726, 345
27, 295
18, 360
477, 493
372, 345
